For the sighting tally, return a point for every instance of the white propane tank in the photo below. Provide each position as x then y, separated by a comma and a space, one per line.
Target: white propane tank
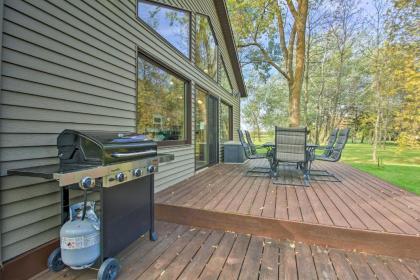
79, 240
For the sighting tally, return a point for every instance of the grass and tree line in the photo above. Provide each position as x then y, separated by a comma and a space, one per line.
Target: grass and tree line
336, 63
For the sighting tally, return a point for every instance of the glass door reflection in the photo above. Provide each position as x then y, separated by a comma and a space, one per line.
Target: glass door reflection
201, 130
206, 130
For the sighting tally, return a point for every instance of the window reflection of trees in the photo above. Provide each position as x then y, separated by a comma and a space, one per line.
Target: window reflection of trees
172, 24
206, 47
224, 78
161, 103
225, 122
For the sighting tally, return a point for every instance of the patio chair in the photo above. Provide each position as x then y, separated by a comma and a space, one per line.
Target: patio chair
251, 144
249, 154
330, 143
333, 156
290, 147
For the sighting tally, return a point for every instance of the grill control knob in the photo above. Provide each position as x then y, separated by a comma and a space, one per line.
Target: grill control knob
151, 168
137, 172
120, 177
86, 183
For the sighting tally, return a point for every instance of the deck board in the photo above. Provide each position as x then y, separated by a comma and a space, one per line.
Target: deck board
233, 264
323, 264
251, 265
287, 263
269, 260
184, 252
215, 265
305, 262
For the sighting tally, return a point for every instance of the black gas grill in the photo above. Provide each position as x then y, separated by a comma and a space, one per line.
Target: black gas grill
120, 166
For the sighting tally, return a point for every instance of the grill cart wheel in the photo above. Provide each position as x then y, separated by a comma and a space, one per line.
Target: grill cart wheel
109, 269
55, 263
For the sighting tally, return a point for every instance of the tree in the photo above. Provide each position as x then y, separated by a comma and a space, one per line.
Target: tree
315, 22
378, 78
266, 37
252, 108
343, 29
266, 103
361, 66
403, 52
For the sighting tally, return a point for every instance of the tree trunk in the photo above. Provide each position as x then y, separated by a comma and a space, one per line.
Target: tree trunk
258, 133
297, 82
307, 64
338, 92
294, 114
376, 137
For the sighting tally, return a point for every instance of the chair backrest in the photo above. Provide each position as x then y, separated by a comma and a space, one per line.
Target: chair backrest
250, 142
244, 144
339, 145
330, 142
290, 144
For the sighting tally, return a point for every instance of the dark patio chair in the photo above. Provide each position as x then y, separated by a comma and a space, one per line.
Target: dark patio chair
251, 144
290, 147
330, 143
333, 156
249, 154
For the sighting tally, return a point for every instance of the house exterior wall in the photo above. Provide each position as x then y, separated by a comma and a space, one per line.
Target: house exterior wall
72, 64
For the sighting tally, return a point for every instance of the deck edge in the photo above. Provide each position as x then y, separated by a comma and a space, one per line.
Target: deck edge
365, 241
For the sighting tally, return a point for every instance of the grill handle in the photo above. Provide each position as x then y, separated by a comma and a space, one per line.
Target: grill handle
143, 153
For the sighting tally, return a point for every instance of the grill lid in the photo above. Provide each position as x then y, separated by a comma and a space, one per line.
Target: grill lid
102, 147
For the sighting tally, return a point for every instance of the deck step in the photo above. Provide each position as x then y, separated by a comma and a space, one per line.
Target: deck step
349, 239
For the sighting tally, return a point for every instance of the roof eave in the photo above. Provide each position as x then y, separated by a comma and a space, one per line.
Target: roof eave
230, 43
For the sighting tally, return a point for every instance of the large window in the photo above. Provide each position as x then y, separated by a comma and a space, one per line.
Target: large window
205, 47
172, 24
226, 129
161, 103
224, 79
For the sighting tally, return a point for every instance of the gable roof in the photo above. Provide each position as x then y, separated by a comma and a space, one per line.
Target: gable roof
223, 15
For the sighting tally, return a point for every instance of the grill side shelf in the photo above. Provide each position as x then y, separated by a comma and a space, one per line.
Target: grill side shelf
43, 171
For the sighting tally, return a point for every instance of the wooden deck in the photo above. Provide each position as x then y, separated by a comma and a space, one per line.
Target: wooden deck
360, 209
184, 252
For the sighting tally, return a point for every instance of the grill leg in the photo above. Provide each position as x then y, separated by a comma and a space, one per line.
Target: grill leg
153, 234
65, 204
101, 226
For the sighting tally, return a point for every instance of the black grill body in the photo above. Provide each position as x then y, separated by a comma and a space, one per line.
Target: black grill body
90, 148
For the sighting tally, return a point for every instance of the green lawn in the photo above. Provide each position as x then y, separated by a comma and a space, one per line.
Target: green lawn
399, 167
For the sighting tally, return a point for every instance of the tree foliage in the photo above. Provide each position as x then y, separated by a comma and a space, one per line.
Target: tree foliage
271, 36
361, 67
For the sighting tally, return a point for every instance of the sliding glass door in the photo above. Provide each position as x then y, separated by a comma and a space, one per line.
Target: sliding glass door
206, 129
